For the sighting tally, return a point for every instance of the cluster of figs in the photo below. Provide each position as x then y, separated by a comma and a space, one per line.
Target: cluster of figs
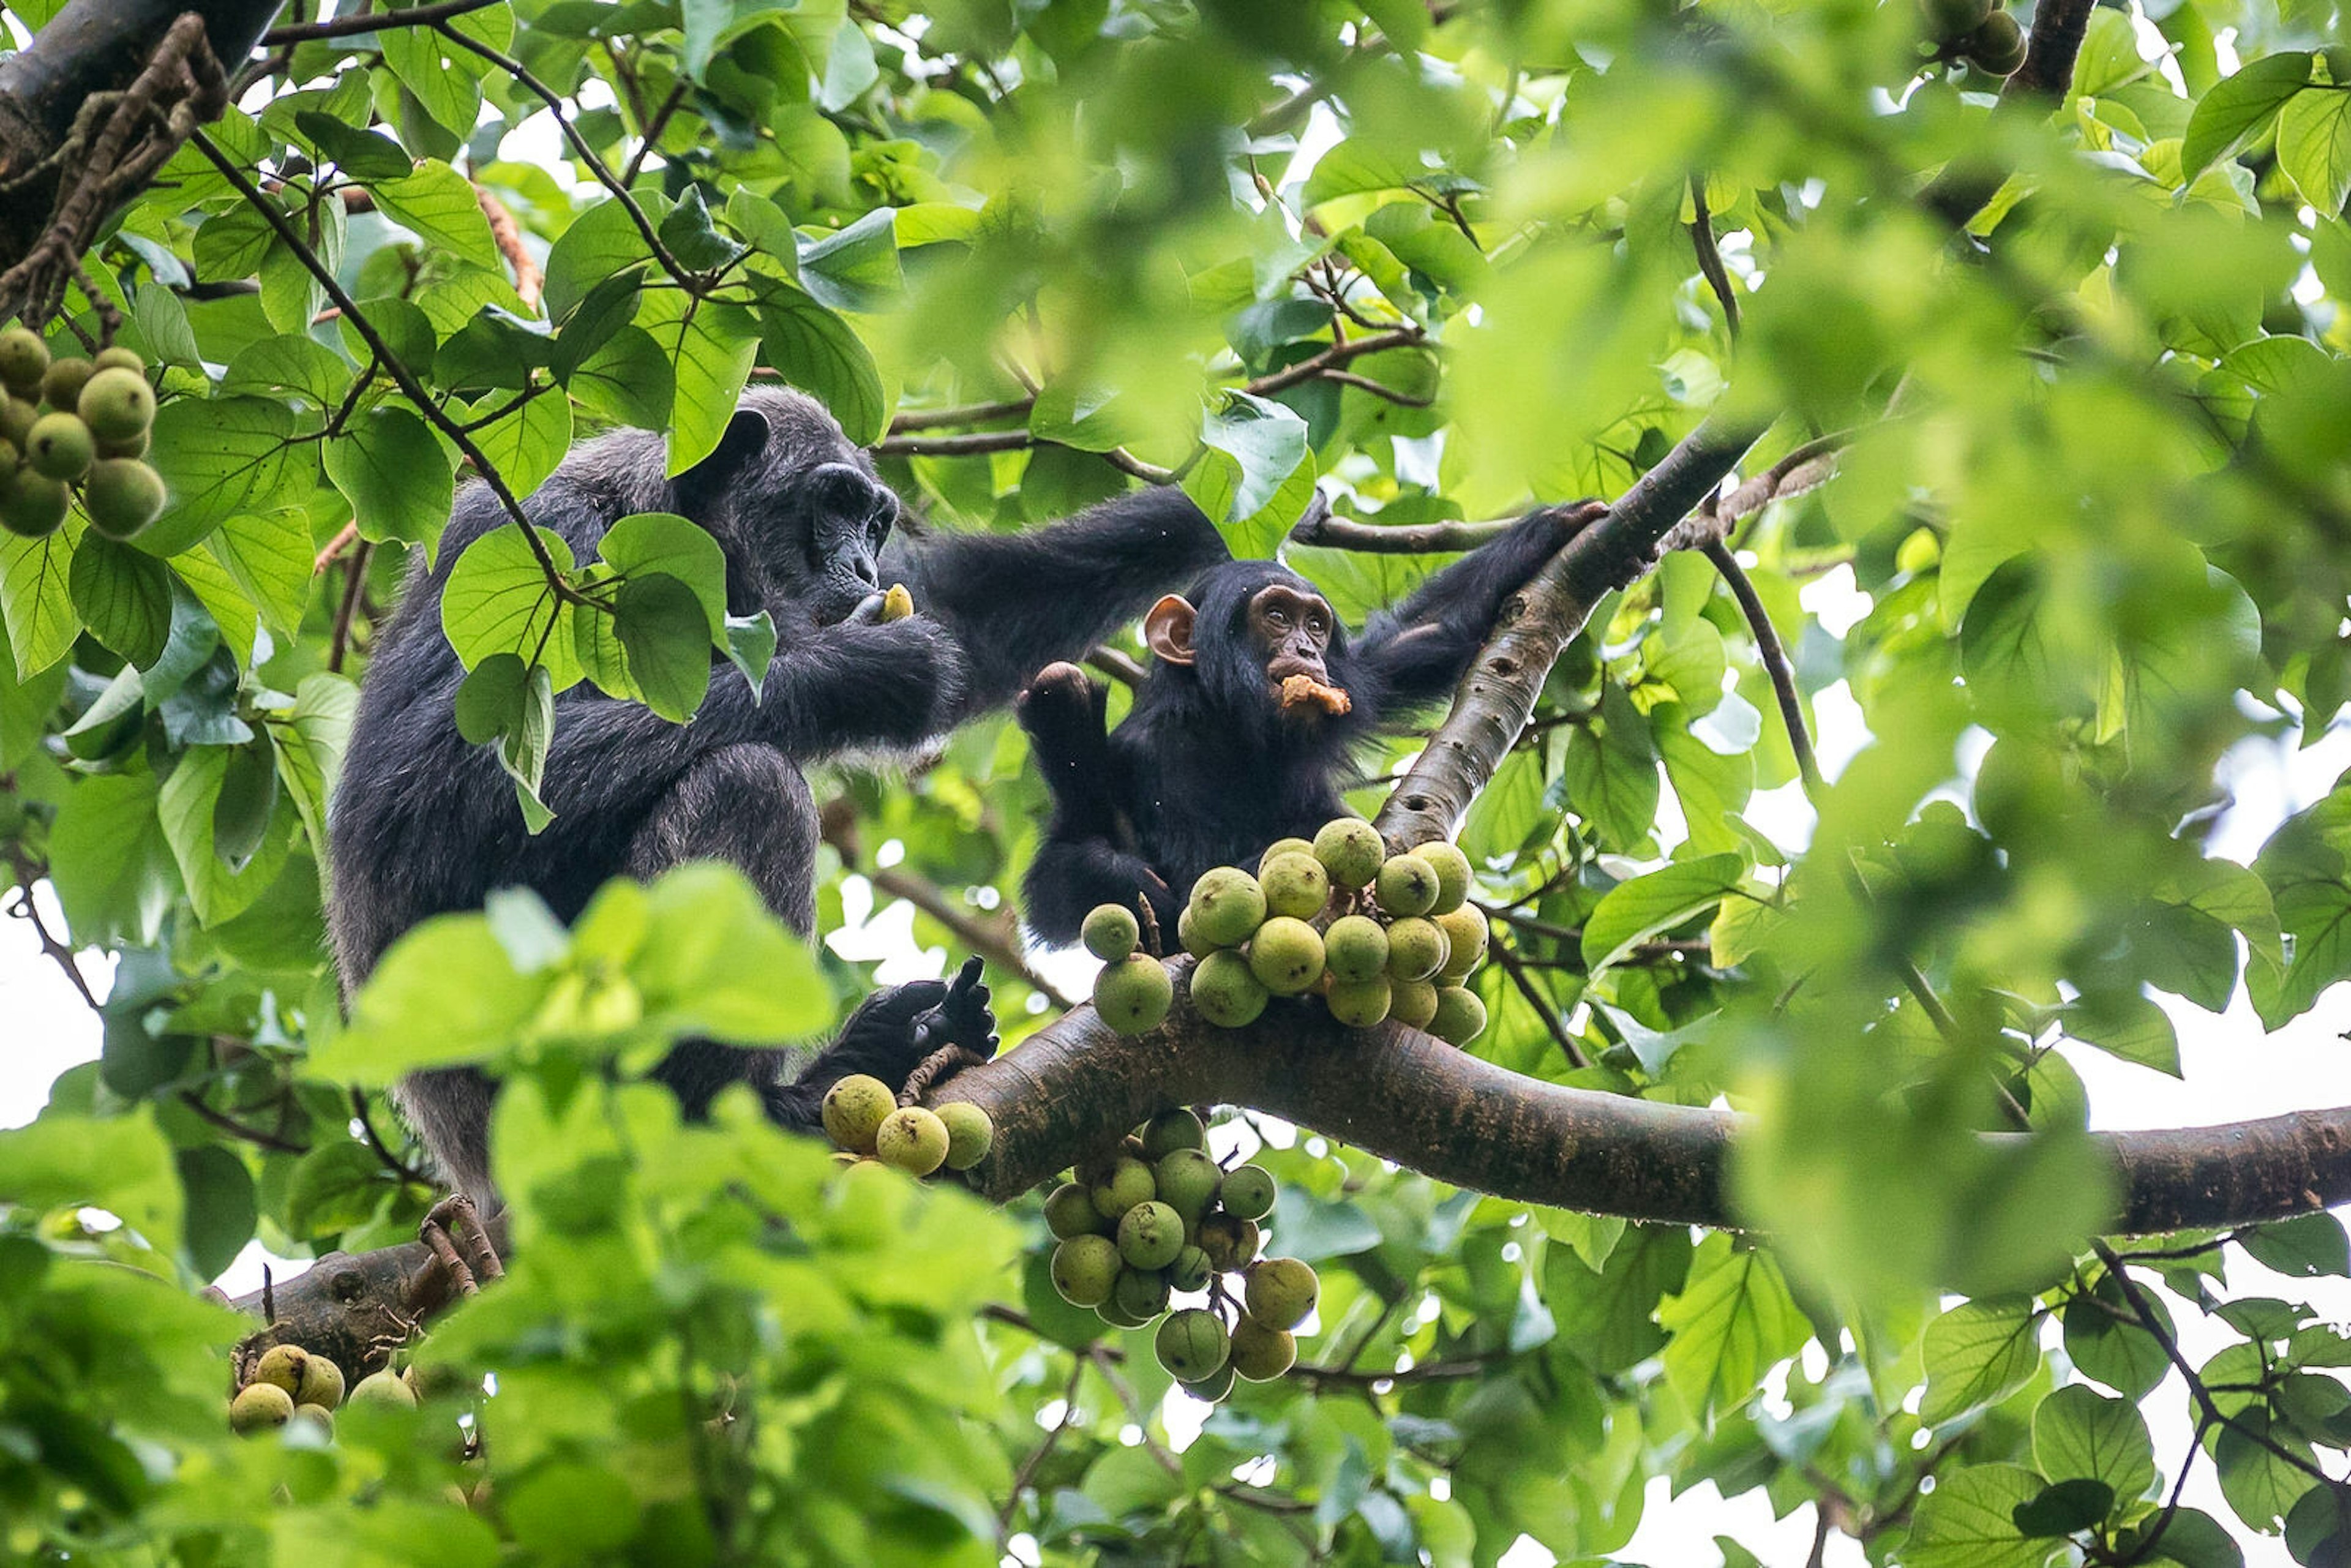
1976, 30
1159, 1218
1374, 936
71, 426
865, 1121
289, 1385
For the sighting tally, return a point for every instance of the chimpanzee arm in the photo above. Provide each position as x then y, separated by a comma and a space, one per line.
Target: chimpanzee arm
1080, 863
1017, 602
1419, 649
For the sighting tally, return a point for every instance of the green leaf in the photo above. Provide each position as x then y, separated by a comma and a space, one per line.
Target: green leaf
121, 1165
37, 596
2116, 1350
751, 644
628, 379
856, 267
445, 992
269, 556
338, 1186
123, 596
310, 743
1978, 1354
715, 961
690, 236
396, 476
220, 1207
607, 308
440, 206
247, 799
648, 544
662, 623
2313, 146
1609, 772
524, 446
600, 242
2132, 1028
815, 351
1635, 910
498, 600
446, 79
1266, 440
109, 864
2081, 1433
364, 154
1969, 1522
2063, 1509
491, 698
220, 456
710, 347
185, 807
2255, 1460
1732, 1321
2306, 1247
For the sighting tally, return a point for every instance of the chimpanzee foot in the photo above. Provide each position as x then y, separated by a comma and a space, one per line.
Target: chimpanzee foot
1063, 707
454, 1233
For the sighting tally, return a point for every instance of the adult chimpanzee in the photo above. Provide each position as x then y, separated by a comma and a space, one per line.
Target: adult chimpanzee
1239, 733
423, 823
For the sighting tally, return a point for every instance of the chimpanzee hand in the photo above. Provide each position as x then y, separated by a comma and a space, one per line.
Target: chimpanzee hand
1064, 711
962, 1017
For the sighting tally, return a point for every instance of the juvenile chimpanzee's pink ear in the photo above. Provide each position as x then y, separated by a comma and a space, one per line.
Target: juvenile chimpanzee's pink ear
1168, 630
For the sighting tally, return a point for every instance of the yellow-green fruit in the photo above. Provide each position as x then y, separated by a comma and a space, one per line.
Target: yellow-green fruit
118, 357
117, 404
1226, 994
281, 1365
1355, 948
1465, 941
1281, 1291
912, 1139
1133, 994
1359, 1004
130, 446
17, 417
260, 1405
1191, 1344
386, 1388
1295, 885
60, 446
1070, 1211
1128, 1183
1213, 1388
897, 604
1286, 955
1452, 868
24, 360
843, 1159
1407, 886
1416, 948
1187, 1180
1262, 1354
1951, 18
1170, 1131
121, 496
1187, 932
322, 1383
1278, 848
1228, 1240
1248, 1192
1997, 44
1150, 1235
1190, 1270
969, 1134
854, 1109
1412, 1002
61, 384
1084, 1267
1140, 1293
1460, 1016
1351, 851
32, 504
1110, 933
1227, 906
317, 1417
1118, 1317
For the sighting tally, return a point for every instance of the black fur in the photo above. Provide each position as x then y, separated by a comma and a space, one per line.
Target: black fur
1209, 768
422, 822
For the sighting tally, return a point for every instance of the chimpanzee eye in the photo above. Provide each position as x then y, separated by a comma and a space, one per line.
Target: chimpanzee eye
1279, 617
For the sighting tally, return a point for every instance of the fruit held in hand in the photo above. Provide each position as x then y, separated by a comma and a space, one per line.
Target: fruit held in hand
1226, 992
912, 1140
260, 1405
969, 1134
59, 446
1295, 885
1110, 932
1150, 1235
1227, 906
117, 404
1132, 995
121, 496
1084, 1267
1407, 886
1261, 1354
1191, 1344
1460, 1016
897, 604
1350, 852
24, 360
1281, 1291
1452, 868
854, 1109
1248, 1192
1286, 955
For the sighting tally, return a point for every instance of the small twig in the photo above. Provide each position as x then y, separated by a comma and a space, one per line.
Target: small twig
431, 15
1776, 664
653, 129
1709, 258
391, 1162
1365, 384
1333, 532
969, 413
1551, 1021
530, 278
238, 1130
28, 872
345, 537
1337, 354
354, 586
1043, 1452
955, 445
1118, 666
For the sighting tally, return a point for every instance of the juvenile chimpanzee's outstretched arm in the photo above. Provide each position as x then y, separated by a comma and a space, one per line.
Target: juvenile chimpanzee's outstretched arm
1017, 602
1080, 862
1418, 651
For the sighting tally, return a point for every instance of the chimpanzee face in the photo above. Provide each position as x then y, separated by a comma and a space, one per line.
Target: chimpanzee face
845, 515
1290, 632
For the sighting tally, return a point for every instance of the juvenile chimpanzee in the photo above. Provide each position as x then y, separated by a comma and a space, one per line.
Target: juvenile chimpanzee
1241, 731
422, 822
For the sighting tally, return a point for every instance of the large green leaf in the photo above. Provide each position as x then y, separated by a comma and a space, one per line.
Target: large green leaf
1636, 910
220, 456
37, 596
1732, 1321
396, 474
498, 600
815, 351
1978, 1354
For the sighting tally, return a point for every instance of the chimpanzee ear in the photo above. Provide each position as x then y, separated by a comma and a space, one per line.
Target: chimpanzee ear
739, 446
1168, 630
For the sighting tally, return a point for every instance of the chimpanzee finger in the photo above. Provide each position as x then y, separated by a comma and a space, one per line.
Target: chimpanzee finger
906, 1001
868, 612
